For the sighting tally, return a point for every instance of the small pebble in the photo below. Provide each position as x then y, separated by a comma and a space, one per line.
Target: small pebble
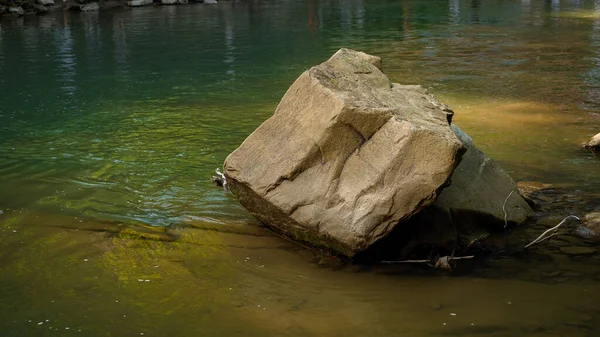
85, 260
40, 323
452, 314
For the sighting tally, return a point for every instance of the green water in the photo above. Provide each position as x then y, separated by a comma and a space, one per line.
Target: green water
111, 125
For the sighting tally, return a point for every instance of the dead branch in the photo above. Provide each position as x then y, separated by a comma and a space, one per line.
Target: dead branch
504, 210
543, 237
220, 180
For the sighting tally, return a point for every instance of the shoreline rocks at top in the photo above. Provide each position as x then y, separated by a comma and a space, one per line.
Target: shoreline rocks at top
348, 156
40, 7
593, 143
90, 7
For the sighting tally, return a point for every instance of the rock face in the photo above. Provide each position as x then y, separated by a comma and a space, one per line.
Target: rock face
479, 186
346, 156
594, 143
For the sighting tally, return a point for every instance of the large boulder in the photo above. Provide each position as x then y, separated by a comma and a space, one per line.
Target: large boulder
346, 156
593, 143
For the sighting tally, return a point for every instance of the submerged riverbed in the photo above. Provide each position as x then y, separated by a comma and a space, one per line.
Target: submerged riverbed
112, 123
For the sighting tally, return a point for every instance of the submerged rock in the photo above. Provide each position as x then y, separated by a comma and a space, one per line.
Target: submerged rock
577, 250
593, 143
346, 156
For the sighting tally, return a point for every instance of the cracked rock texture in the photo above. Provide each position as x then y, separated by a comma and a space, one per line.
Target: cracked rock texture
346, 156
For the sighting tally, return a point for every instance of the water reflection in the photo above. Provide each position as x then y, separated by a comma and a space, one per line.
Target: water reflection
229, 47
592, 79
1, 54
454, 11
66, 58
121, 50
131, 118
474, 13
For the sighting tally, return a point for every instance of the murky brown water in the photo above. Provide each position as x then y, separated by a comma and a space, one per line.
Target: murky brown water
111, 125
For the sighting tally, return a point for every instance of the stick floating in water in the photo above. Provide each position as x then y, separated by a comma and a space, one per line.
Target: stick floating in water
220, 179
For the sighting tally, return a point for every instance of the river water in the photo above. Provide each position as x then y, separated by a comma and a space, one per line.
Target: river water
111, 125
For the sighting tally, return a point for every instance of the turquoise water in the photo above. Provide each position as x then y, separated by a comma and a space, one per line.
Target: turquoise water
112, 123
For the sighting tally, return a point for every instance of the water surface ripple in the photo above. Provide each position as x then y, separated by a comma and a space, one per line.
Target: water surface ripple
112, 123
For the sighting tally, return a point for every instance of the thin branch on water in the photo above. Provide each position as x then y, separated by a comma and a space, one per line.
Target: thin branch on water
220, 180
442, 262
553, 229
504, 210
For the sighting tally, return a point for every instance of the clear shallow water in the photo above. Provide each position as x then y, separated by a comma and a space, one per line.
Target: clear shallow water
111, 123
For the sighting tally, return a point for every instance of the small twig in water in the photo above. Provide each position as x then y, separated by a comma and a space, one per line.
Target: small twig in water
553, 229
504, 210
442, 262
220, 179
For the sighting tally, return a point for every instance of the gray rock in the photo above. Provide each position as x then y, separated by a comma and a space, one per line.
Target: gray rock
39, 9
346, 156
139, 3
590, 227
90, 7
593, 143
208, 2
110, 4
46, 2
16, 10
174, 2
480, 186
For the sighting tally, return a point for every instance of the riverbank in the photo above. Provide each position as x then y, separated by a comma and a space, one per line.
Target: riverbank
16, 9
